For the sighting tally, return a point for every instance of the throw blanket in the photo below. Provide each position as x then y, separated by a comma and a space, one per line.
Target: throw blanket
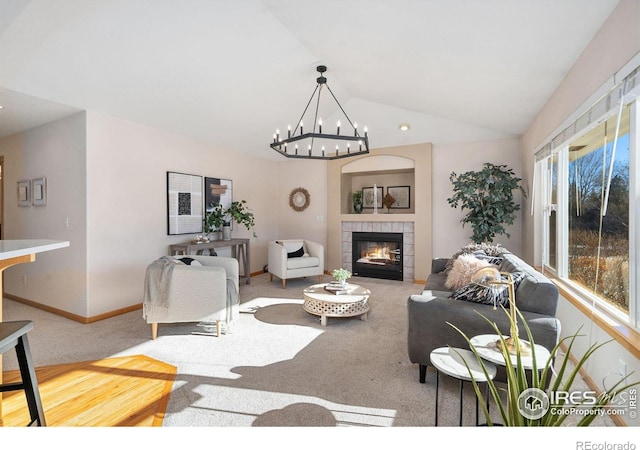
156, 286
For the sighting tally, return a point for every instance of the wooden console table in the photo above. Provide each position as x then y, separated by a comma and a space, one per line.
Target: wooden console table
20, 251
239, 250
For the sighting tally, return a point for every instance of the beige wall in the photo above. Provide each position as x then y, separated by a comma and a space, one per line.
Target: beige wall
312, 222
55, 151
126, 205
421, 155
108, 176
448, 233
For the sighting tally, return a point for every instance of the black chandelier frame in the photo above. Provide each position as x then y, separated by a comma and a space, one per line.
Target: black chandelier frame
288, 146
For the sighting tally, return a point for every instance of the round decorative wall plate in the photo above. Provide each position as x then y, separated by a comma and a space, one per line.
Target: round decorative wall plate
299, 199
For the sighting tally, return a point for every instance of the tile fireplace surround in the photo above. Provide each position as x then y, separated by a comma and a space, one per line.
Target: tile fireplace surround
406, 228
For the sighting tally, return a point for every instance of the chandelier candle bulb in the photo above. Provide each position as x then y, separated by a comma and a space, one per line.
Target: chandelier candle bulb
355, 129
277, 135
296, 149
365, 131
320, 126
338, 126
288, 131
336, 149
301, 124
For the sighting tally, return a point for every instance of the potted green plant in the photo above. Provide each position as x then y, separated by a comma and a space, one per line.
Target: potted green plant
544, 381
342, 275
213, 221
239, 213
356, 198
487, 196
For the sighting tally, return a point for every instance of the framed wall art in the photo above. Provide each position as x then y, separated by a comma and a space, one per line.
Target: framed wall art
368, 197
39, 191
24, 193
402, 196
217, 191
184, 203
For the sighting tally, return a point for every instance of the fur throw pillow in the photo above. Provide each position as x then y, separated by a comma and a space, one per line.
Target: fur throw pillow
463, 268
488, 249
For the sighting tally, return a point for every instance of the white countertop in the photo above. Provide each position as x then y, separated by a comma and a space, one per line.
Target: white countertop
13, 248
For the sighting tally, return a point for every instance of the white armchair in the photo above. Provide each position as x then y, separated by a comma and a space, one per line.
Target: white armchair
295, 258
206, 291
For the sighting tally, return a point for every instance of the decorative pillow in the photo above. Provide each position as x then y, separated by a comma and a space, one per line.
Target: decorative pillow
295, 249
488, 249
486, 295
190, 261
296, 254
463, 267
495, 260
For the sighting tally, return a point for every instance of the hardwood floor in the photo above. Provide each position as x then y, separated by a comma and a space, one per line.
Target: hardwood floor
124, 391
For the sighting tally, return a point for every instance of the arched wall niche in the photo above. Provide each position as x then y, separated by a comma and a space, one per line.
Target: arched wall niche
411, 167
377, 163
388, 173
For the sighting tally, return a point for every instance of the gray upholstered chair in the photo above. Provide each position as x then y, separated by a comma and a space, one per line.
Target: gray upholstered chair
205, 291
295, 258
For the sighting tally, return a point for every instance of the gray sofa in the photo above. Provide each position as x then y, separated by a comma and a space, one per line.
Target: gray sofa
429, 312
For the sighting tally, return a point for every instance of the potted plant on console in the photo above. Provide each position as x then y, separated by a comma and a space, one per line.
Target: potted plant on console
213, 222
238, 213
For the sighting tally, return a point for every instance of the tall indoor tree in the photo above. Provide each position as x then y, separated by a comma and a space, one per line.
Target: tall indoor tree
487, 197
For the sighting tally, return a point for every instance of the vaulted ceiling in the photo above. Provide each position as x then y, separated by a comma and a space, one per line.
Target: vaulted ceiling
229, 72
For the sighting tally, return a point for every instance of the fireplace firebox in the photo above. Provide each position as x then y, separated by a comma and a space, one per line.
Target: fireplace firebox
377, 255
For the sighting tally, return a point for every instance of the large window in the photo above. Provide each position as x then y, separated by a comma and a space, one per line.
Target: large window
586, 184
598, 219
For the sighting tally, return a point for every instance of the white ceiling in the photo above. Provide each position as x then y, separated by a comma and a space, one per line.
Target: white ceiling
230, 72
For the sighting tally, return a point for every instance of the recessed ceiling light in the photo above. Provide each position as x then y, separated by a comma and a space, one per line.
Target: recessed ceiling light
404, 126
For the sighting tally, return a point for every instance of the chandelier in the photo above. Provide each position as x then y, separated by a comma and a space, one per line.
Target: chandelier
316, 143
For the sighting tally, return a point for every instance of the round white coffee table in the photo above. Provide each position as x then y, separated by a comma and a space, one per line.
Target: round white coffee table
323, 303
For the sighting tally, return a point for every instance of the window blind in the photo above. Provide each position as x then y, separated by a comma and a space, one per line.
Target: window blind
627, 89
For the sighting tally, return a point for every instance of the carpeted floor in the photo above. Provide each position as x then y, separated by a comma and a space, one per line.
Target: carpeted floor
278, 367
